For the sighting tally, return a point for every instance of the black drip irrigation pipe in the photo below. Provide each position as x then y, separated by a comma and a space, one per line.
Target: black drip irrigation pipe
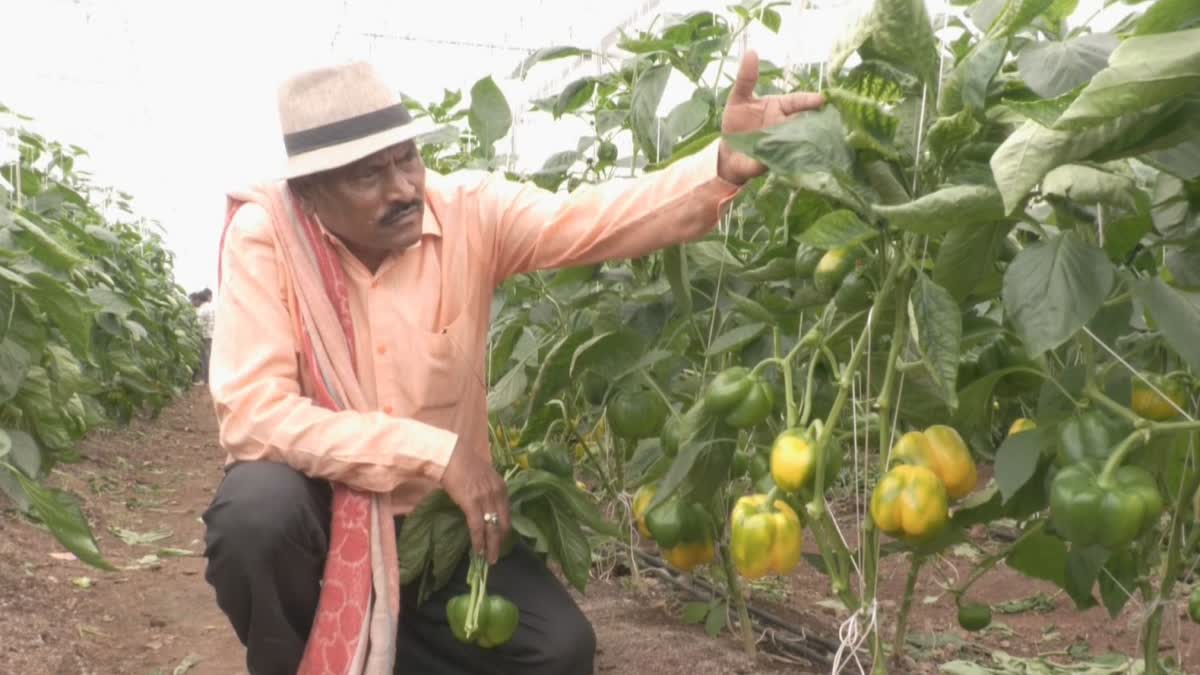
812, 648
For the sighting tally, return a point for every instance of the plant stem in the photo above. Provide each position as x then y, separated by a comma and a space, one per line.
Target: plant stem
806, 409
871, 553
1104, 401
990, 561
1153, 625
789, 396
910, 585
734, 587
1118, 456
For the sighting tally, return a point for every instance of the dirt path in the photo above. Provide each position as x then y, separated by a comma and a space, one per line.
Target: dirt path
157, 616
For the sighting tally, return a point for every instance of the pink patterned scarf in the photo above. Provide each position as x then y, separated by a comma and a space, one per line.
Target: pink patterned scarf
354, 631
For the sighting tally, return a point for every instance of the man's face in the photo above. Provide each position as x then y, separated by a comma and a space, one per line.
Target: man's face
375, 205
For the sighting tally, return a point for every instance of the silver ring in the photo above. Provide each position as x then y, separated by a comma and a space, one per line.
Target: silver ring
491, 518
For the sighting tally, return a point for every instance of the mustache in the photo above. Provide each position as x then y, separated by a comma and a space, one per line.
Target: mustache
397, 211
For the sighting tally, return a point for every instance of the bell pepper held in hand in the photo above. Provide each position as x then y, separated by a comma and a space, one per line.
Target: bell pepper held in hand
765, 539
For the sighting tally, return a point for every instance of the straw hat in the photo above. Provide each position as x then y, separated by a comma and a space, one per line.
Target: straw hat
337, 115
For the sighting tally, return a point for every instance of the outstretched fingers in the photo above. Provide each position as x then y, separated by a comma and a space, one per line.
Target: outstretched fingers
747, 78
799, 102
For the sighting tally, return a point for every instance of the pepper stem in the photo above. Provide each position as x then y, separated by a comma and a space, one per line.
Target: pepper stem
1118, 456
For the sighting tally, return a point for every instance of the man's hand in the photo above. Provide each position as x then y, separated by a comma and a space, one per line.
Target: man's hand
473, 484
744, 112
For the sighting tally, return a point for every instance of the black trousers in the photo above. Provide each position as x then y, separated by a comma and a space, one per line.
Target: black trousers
266, 538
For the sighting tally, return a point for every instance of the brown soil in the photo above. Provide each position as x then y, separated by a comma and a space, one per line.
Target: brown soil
158, 616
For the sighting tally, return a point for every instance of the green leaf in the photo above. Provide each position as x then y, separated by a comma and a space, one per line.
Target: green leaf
651, 138
967, 255
1053, 288
735, 339
948, 208
687, 118
414, 544
1168, 15
1083, 566
1118, 581
489, 116
450, 539
694, 612
1184, 265
1089, 186
108, 301
63, 517
811, 142
506, 392
553, 375
904, 36
750, 309
1043, 111
967, 85
573, 552
1122, 234
67, 309
546, 54
1142, 72
574, 95
675, 268
1040, 556
609, 352
581, 506
14, 365
1017, 460
837, 229
1032, 150
948, 135
1052, 69
1177, 316
716, 620
936, 326
1016, 15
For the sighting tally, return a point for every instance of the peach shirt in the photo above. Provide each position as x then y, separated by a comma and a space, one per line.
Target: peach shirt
421, 320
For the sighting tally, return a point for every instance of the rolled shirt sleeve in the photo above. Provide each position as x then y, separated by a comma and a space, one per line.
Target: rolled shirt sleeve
625, 218
255, 384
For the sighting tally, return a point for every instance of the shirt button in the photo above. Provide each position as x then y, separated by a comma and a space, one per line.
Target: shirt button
381, 350
387, 409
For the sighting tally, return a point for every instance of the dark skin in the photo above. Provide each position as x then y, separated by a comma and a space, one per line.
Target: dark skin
375, 206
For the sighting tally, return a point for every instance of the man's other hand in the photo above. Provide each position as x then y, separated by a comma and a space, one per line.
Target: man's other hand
473, 483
